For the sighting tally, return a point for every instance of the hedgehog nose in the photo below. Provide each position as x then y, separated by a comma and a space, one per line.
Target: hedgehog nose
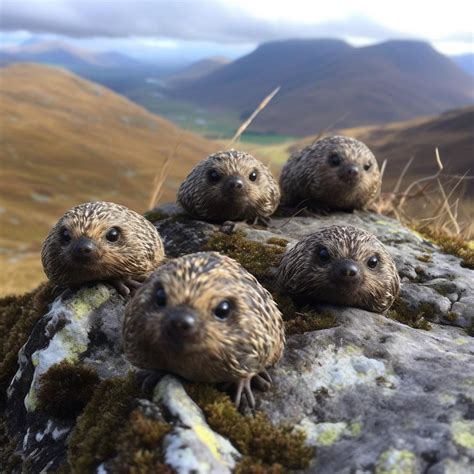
347, 270
84, 248
182, 324
350, 173
235, 184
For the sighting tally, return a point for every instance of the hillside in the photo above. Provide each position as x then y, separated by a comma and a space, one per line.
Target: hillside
465, 62
65, 140
197, 70
63, 54
328, 81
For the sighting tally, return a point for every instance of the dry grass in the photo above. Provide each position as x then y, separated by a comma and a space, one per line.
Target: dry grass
430, 204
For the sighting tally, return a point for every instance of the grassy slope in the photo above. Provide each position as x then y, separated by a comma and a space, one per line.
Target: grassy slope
65, 140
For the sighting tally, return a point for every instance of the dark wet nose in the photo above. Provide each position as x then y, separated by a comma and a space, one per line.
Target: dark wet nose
235, 184
182, 324
348, 271
84, 249
349, 174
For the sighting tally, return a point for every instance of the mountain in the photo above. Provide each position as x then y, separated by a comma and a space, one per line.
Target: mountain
63, 54
197, 70
452, 132
328, 82
65, 140
465, 62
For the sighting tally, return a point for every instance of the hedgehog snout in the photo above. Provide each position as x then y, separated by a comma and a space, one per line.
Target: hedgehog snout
234, 185
84, 250
181, 324
349, 173
346, 271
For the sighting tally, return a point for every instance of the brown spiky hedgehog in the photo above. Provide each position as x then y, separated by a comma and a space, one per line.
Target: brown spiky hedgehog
230, 186
205, 318
333, 173
343, 266
101, 241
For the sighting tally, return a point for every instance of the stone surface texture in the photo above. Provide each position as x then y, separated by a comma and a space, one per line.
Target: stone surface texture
371, 394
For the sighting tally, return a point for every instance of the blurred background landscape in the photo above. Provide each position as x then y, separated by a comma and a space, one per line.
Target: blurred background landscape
96, 98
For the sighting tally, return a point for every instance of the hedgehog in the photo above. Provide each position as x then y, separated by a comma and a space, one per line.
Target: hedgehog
205, 318
101, 241
340, 265
335, 173
230, 186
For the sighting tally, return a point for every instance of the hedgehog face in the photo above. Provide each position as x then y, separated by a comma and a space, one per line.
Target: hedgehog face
336, 172
347, 165
344, 266
229, 186
200, 316
94, 241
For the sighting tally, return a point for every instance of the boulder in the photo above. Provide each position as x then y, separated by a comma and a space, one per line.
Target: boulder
365, 393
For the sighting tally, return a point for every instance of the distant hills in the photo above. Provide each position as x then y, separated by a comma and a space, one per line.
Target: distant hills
65, 140
465, 62
197, 70
63, 54
328, 83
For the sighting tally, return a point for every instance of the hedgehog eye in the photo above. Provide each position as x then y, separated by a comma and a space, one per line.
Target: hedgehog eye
367, 166
160, 296
65, 237
334, 159
214, 176
373, 261
323, 255
253, 176
223, 309
112, 234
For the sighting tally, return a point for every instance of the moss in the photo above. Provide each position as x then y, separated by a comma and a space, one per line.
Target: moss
257, 258
18, 315
9, 460
266, 448
277, 241
413, 318
139, 446
425, 258
452, 317
155, 215
94, 438
65, 389
299, 320
453, 245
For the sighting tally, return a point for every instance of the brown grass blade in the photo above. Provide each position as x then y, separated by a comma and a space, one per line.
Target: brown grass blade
261, 106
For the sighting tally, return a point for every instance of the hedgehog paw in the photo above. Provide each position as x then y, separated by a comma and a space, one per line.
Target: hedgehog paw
243, 386
125, 286
147, 379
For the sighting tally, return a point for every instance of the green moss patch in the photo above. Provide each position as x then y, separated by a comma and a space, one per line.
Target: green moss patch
18, 315
413, 318
277, 241
94, 438
265, 447
65, 389
453, 245
139, 446
255, 257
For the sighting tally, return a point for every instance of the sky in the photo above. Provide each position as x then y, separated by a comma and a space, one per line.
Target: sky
145, 28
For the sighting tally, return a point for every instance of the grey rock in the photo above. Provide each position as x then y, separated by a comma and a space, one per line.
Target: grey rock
372, 395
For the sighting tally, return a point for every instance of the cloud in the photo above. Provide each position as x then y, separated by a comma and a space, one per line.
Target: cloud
205, 20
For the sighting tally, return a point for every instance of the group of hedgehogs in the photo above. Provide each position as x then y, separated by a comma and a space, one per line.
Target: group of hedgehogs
203, 316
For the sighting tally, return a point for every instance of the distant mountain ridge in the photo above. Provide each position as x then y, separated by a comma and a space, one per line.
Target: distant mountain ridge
63, 54
197, 70
328, 82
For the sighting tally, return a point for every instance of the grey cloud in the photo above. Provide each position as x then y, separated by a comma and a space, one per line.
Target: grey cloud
205, 20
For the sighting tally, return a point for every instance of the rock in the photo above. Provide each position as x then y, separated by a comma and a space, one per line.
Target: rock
192, 446
371, 394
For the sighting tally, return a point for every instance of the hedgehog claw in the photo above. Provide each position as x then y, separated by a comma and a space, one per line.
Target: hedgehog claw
147, 379
126, 286
244, 386
260, 383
